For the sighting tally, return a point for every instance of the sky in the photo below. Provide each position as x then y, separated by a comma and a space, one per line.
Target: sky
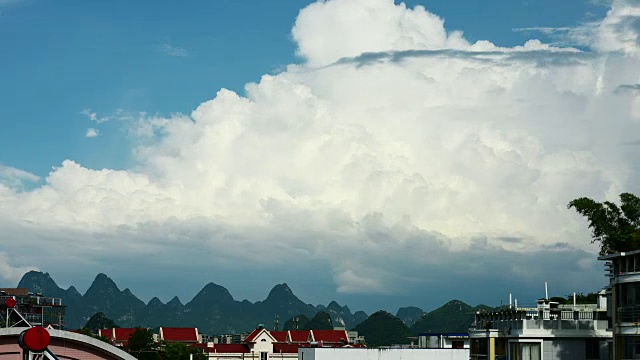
377, 153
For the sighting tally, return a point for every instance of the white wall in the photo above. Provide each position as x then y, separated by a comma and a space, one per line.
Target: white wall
382, 354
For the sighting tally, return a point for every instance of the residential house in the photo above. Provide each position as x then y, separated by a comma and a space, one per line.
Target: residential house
443, 341
549, 331
262, 344
36, 309
623, 294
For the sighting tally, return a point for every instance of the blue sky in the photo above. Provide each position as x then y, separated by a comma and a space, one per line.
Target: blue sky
62, 58
441, 168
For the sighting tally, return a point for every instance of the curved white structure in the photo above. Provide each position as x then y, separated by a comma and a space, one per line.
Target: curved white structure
64, 344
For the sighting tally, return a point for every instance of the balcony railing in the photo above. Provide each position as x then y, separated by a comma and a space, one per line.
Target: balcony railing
509, 326
33, 300
33, 319
628, 314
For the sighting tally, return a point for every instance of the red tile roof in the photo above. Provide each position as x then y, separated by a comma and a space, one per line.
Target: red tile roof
124, 333
330, 336
108, 333
299, 335
280, 336
179, 334
229, 348
285, 348
253, 335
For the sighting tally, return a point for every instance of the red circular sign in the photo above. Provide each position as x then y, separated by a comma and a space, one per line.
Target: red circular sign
36, 339
11, 303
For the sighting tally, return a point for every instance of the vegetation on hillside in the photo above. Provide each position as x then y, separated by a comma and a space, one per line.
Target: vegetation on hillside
409, 315
384, 329
452, 317
290, 324
322, 321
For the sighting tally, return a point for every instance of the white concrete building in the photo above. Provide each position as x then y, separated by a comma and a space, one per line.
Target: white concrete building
443, 341
547, 332
623, 270
381, 354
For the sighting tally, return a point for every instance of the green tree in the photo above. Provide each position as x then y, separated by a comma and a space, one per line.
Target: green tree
181, 351
560, 300
86, 331
142, 346
590, 298
616, 228
100, 321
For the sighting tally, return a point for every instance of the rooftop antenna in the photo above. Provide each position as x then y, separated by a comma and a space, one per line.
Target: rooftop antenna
510, 301
546, 291
516, 303
295, 323
276, 321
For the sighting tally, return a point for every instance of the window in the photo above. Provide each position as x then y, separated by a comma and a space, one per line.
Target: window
457, 344
631, 347
525, 351
593, 349
264, 356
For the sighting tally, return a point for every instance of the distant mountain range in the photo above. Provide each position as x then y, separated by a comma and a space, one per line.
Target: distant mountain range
214, 310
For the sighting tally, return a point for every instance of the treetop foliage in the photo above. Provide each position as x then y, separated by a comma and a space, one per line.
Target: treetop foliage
590, 298
616, 228
100, 321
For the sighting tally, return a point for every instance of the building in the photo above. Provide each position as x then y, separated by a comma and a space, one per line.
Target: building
118, 336
182, 335
443, 341
64, 344
623, 293
263, 344
230, 338
382, 354
36, 309
355, 338
549, 331
299, 336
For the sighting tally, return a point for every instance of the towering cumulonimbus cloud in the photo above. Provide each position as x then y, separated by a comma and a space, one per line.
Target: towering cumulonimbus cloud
396, 148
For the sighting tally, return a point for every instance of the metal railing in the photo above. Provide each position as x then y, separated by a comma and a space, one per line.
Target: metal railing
628, 314
33, 300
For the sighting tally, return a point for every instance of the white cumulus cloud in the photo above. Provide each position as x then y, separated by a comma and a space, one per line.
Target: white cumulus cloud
15, 178
9, 274
398, 149
92, 132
